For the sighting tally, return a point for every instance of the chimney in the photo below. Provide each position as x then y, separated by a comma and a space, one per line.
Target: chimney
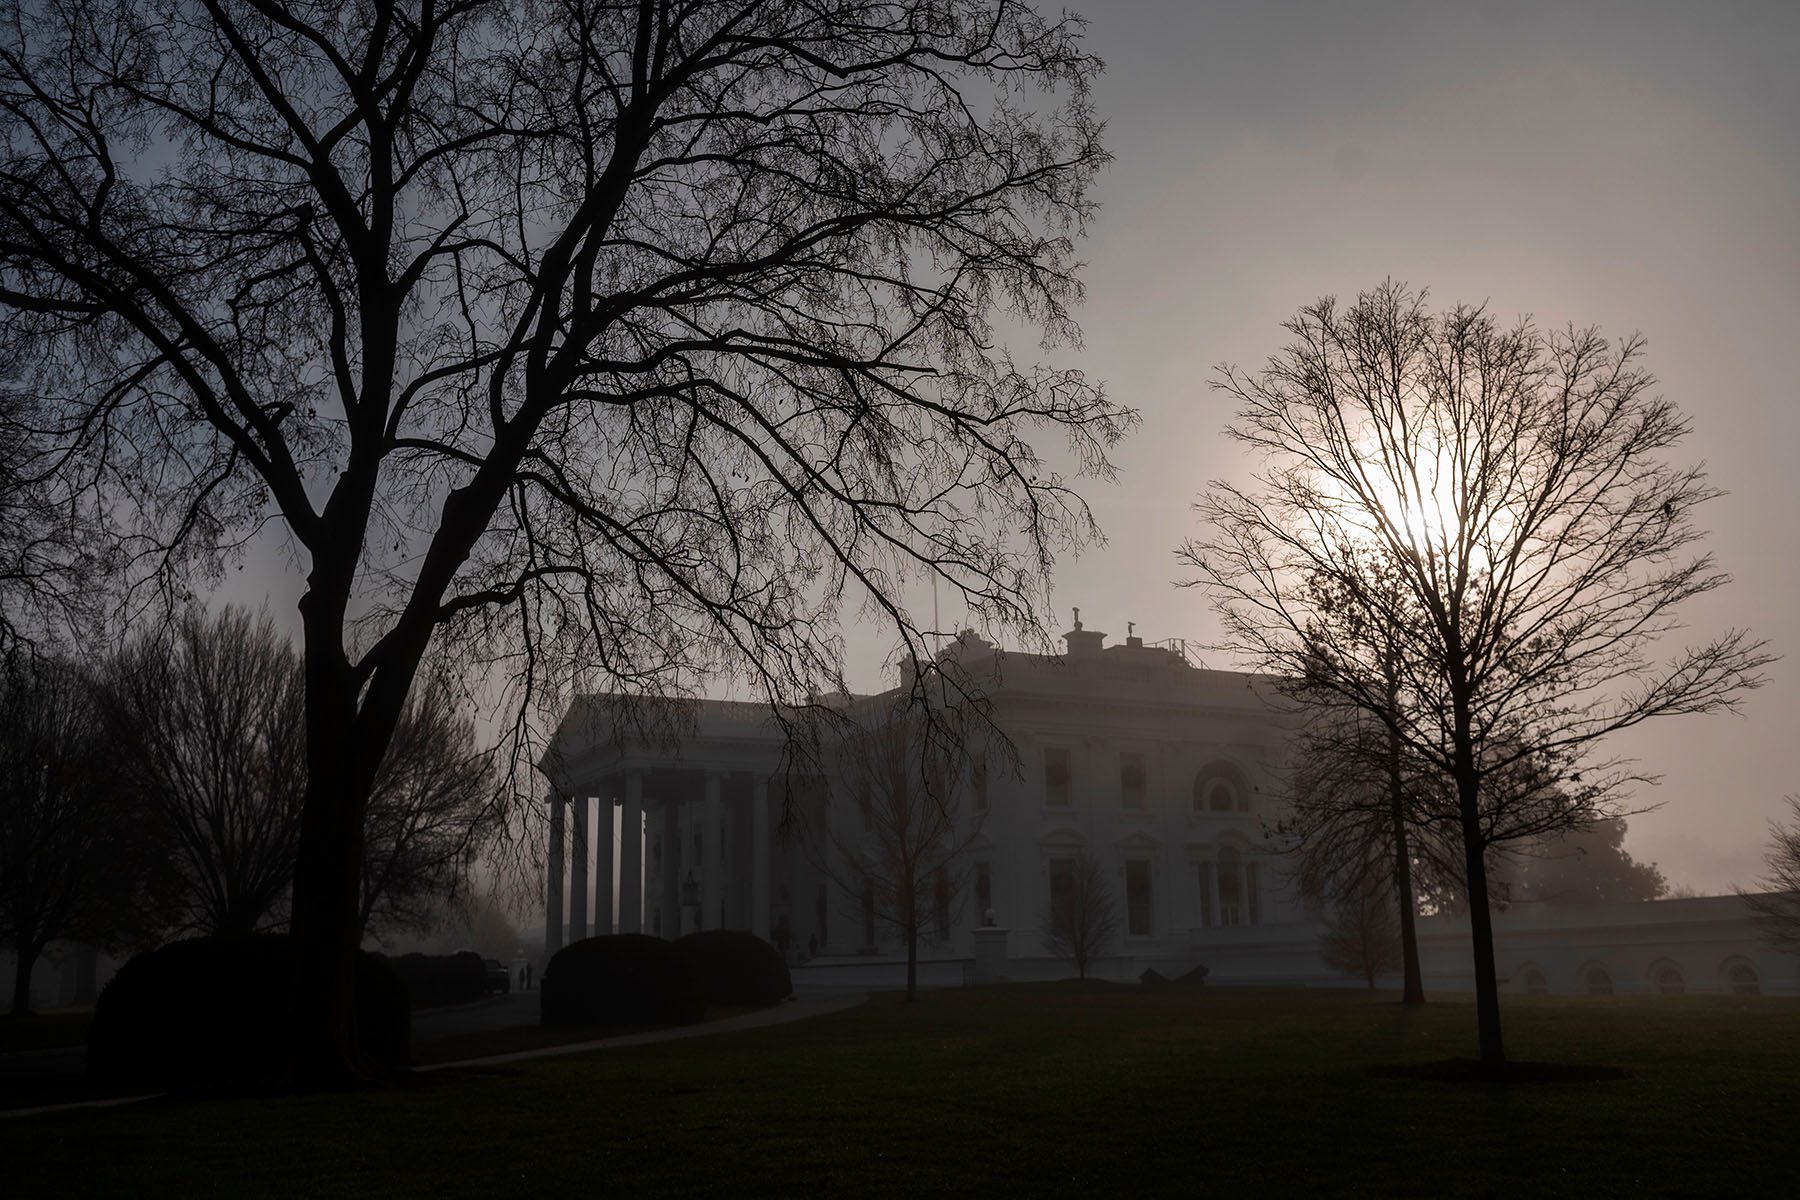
1083, 643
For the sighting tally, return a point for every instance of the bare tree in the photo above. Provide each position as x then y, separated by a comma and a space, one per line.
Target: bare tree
1777, 905
1363, 937
1517, 480
902, 857
206, 718
1354, 820
1081, 919
434, 806
616, 342
73, 859
52, 568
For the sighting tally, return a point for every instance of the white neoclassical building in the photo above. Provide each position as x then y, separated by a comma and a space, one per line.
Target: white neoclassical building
1163, 771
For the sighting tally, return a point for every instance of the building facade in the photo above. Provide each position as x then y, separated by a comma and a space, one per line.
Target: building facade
1164, 772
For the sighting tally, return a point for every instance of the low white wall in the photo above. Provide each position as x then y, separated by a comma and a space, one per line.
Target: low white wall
1702, 937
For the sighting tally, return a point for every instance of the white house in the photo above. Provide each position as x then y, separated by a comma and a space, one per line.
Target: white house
1164, 771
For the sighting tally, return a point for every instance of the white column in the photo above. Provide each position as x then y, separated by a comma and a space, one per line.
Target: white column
712, 860
553, 880
759, 858
671, 867
631, 856
603, 858
578, 874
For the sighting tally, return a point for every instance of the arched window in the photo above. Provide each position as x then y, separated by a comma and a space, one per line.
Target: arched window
1231, 887
1741, 980
1535, 982
1220, 787
1598, 981
1669, 980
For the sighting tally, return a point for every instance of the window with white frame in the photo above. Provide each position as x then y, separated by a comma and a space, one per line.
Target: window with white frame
868, 910
1062, 895
1220, 788
1139, 921
1741, 979
1134, 787
1204, 874
1056, 776
978, 782
940, 903
1231, 886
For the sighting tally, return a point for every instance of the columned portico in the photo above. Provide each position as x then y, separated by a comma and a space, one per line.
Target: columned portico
553, 880
712, 858
631, 855
603, 858
759, 858
705, 810
671, 866
578, 877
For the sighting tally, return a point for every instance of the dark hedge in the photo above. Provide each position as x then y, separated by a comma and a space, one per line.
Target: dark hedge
623, 979
433, 979
212, 1010
736, 968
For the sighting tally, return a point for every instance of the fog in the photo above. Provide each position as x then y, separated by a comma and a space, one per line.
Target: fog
1630, 165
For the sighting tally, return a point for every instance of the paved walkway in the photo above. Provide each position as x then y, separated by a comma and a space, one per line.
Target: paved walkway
781, 1014
793, 1010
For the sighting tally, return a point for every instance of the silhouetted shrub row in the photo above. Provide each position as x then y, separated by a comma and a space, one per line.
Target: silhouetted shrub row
442, 978
632, 979
736, 968
214, 1010
623, 979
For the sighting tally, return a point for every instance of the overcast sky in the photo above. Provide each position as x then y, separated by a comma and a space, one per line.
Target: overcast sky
1631, 165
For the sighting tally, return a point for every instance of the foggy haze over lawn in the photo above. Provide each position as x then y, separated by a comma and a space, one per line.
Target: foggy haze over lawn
1634, 166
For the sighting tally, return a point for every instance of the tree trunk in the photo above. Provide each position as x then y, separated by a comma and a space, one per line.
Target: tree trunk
327, 872
1414, 992
28, 956
912, 963
1403, 889
1481, 926
322, 1016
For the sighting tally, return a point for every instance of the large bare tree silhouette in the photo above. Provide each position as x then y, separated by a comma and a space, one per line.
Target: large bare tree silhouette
1517, 481
620, 344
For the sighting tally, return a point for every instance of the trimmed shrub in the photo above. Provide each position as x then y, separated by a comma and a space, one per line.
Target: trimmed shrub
213, 1010
736, 968
433, 979
622, 979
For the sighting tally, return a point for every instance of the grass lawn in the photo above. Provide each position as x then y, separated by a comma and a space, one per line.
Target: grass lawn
1066, 1090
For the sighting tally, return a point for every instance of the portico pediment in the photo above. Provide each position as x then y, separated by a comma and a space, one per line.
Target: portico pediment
1063, 835
1140, 839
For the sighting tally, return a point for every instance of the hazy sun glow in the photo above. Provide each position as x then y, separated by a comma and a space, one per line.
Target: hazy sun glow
1411, 501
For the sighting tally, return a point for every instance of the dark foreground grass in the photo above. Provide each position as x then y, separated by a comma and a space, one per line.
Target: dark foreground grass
1089, 1091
